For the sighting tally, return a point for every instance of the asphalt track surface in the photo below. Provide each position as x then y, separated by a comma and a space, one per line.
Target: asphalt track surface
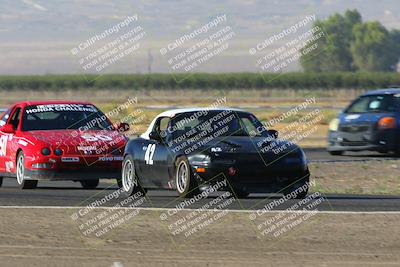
70, 194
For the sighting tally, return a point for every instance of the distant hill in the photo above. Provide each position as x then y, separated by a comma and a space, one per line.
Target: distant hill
36, 36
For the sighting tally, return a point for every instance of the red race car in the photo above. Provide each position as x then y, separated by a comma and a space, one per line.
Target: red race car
59, 141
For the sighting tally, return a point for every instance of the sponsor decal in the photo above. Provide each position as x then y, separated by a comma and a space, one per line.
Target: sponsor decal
70, 159
60, 107
9, 166
96, 137
22, 143
3, 145
111, 158
86, 148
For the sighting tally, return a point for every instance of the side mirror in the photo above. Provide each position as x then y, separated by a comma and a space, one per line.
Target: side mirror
155, 136
123, 127
8, 129
274, 133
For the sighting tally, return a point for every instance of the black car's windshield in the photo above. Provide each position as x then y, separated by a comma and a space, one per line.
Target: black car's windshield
63, 116
216, 123
375, 103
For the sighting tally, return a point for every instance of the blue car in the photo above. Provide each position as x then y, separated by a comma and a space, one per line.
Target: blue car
371, 122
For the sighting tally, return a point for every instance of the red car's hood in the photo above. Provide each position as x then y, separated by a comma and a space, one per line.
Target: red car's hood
73, 141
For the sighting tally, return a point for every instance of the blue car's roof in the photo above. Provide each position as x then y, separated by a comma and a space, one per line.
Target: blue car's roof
389, 91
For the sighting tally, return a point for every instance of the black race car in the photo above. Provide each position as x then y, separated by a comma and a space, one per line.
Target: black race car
191, 150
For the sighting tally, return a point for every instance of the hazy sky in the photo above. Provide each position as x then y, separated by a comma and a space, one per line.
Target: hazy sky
36, 36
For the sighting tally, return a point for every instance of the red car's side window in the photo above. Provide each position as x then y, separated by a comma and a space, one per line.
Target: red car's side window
15, 118
5, 117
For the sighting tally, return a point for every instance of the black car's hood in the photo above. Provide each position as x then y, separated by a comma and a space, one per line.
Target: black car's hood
246, 144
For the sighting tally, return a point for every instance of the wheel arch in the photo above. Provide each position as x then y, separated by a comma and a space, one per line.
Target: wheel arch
19, 150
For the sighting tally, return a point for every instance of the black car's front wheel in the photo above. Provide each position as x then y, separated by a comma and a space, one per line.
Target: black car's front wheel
21, 180
129, 182
186, 184
240, 192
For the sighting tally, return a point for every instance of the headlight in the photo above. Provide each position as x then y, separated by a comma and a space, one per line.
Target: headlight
46, 151
334, 125
200, 160
58, 152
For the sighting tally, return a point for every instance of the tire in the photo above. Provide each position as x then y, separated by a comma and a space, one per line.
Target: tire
89, 184
397, 151
22, 182
336, 153
186, 185
119, 182
293, 188
129, 182
240, 193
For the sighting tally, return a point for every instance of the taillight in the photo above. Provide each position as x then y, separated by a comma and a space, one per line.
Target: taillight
387, 123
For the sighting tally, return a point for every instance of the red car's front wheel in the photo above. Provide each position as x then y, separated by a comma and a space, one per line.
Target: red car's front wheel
22, 182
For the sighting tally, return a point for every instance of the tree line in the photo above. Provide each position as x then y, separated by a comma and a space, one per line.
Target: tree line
223, 81
353, 45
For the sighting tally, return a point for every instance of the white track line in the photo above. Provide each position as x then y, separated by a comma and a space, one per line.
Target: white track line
233, 211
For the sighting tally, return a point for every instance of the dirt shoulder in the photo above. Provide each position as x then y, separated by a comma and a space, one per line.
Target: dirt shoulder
49, 237
369, 178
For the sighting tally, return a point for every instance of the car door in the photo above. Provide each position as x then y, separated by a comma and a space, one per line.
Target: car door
4, 140
154, 164
7, 146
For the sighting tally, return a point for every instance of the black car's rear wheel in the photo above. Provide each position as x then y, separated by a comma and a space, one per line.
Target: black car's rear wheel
22, 182
89, 184
129, 182
186, 184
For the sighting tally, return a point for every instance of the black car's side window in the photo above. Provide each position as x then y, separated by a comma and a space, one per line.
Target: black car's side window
161, 126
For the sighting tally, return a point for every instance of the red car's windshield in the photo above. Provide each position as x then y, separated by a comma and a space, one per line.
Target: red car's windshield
64, 116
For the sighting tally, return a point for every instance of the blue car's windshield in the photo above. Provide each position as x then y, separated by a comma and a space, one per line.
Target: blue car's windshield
375, 104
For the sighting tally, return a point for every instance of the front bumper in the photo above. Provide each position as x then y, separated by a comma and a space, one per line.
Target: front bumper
253, 177
379, 140
73, 167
